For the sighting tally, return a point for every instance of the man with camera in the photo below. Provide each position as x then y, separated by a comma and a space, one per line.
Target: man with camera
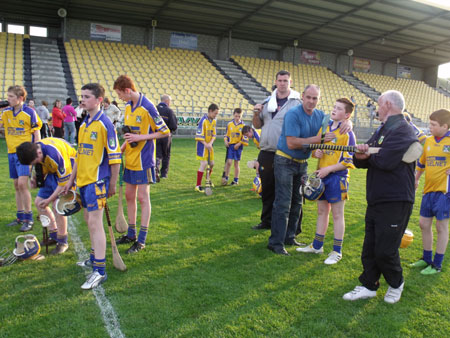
143, 125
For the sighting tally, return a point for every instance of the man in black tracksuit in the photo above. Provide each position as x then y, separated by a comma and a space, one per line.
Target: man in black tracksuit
163, 145
390, 197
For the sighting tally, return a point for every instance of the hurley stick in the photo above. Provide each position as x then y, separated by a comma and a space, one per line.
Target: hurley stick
117, 260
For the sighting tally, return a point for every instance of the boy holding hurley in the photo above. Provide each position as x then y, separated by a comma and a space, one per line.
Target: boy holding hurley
96, 170
145, 126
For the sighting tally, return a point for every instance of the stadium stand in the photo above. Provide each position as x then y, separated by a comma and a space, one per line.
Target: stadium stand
421, 99
187, 76
11, 61
332, 86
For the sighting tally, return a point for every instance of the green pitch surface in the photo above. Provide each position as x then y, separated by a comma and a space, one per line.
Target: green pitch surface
206, 273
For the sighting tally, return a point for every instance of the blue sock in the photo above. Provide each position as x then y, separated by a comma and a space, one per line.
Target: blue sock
236, 179
318, 241
28, 216
428, 256
20, 215
54, 234
92, 255
131, 231
143, 234
99, 265
438, 258
62, 239
337, 245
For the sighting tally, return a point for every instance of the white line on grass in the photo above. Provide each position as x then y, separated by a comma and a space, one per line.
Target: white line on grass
109, 315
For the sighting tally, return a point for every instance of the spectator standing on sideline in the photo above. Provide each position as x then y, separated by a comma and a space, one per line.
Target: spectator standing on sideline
269, 117
111, 111
81, 114
164, 145
69, 122
58, 118
44, 115
31, 104
390, 194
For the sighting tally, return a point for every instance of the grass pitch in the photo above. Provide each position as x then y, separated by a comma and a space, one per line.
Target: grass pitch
206, 273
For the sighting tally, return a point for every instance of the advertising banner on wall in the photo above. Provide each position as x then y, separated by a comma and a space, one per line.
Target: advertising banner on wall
311, 57
183, 40
403, 72
361, 65
101, 31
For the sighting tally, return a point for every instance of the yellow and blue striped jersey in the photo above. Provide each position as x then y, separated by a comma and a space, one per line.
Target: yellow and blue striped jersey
206, 129
143, 119
19, 127
234, 133
419, 133
435, 160
332, 157
59, 158
98, 148
256, 136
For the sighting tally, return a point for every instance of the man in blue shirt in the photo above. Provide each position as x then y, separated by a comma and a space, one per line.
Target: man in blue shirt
301, 125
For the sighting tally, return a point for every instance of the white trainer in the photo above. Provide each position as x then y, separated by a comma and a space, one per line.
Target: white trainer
93, 279
359, 292
393, 295
310, 249
333, 258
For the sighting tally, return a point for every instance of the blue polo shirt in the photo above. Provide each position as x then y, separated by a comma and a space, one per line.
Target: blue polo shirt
299, 124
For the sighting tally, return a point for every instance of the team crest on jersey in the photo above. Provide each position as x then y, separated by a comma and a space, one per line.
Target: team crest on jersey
381, 139
22, 122
157, 119
138, 119
94, 135
112, 142
446, 149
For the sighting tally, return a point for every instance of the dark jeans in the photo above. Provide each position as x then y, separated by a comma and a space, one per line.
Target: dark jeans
265, 160
288, 200
163, 147
385, 226
45, 131
58, 132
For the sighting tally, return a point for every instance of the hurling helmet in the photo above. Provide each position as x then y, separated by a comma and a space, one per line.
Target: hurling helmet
313, 187
27, 247
407, 239
68, 204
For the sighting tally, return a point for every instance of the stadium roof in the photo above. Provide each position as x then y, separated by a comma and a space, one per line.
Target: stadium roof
378, 29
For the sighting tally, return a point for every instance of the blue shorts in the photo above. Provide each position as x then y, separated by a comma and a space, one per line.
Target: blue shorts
50, 184
336, 188
435, 204
93, 196
136, 177
233, 154
16, 169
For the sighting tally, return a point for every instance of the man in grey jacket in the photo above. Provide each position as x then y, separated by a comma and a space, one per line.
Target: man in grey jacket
269, 117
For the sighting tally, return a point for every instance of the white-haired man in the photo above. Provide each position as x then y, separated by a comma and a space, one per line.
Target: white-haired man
390, 196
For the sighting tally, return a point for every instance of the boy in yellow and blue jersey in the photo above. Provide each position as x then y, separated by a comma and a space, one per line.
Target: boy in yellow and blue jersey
143, 126
56, 158
21, 124
435, 162
252, 133
333, 169
235, 141
419, 133
205, 137
96, 170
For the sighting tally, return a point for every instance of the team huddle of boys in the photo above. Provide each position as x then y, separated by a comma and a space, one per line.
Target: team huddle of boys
93, 169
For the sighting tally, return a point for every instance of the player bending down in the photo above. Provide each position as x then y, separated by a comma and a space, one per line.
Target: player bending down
56, 157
